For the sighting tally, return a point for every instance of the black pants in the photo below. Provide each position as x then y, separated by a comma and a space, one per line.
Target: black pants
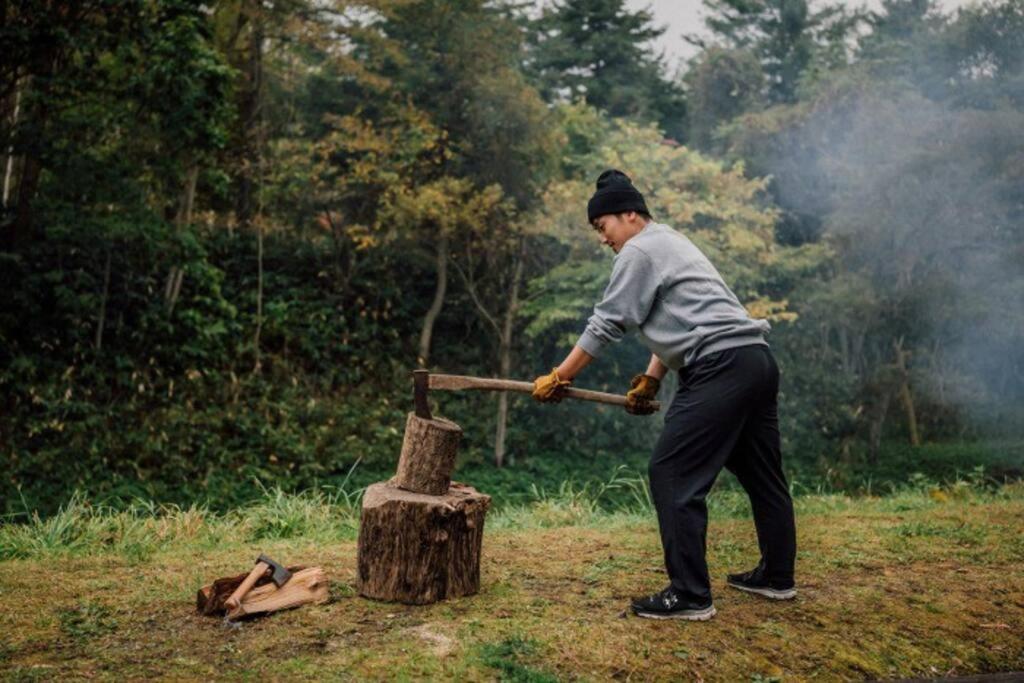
725, 414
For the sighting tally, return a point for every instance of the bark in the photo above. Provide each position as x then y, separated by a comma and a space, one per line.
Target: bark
428, 455
103, 304
435, 306
418, 549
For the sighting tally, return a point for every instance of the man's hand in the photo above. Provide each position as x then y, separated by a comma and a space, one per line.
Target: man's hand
643, 389
550, 388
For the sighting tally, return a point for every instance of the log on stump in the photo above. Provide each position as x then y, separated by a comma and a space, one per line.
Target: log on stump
428, 455
418, 549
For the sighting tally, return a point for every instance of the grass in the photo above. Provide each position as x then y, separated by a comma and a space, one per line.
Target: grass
922, 581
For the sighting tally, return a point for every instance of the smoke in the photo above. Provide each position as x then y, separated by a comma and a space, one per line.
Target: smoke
923, 199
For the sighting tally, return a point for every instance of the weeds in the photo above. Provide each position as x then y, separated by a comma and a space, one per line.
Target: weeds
142, 528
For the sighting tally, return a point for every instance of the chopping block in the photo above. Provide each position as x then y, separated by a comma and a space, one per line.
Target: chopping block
420, 534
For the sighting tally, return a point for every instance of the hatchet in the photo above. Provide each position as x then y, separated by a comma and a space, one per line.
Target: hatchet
278, 574
424, 380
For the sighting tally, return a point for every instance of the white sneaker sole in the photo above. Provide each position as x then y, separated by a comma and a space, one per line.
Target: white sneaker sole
766, 592
688, 615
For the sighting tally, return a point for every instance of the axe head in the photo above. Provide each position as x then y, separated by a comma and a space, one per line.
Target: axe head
278, 574
420, 385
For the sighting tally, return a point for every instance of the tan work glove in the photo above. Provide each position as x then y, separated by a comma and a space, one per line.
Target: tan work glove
643, 389
550, 388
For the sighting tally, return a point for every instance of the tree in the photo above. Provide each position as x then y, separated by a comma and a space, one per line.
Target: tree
788, 37
721, 85
600, 51
457, 63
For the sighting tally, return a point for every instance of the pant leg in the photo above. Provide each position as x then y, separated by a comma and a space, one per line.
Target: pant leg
757, 462
702, 427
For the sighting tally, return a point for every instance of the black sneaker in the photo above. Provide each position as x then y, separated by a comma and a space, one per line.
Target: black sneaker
755, 582
667, 605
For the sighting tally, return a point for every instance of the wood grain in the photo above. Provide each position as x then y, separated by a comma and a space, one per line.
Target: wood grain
428, 455
418, 549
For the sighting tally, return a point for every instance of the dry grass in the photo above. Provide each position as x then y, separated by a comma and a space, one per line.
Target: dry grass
928, 586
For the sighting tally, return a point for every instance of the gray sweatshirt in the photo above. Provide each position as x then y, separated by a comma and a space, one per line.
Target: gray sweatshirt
666, 289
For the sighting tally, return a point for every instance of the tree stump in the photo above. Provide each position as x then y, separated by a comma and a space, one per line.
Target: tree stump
416, 548
428, 455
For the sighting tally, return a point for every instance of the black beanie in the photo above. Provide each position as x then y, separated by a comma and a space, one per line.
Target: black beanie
615, 194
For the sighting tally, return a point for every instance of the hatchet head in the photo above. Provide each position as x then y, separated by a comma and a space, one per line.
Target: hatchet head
420, 385
278, 574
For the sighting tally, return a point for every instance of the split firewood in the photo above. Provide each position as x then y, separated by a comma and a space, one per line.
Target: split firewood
307, 586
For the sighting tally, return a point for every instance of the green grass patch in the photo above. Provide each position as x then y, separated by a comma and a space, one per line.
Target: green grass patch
508, 659
86, 620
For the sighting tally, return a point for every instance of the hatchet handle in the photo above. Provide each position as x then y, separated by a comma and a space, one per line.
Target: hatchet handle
458, 382
235, 599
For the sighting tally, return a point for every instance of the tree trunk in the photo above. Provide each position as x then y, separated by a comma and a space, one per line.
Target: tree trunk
176, 275
418, 549
505, 358
259, 294
21, 229
103, 303
428, 455
188, 196
249, 118
435, 306
906, 397
9, 165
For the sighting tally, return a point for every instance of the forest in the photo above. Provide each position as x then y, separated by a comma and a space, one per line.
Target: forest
230, 230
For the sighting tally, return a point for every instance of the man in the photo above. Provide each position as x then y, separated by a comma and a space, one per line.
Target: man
723, 415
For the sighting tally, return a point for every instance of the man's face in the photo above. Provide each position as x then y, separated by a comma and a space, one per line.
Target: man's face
615, 230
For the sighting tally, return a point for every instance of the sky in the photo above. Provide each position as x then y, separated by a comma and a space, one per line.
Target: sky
686, 16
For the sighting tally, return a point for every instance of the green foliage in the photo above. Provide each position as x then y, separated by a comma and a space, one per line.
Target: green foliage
790, 38
300, 170
600, 52
722, 84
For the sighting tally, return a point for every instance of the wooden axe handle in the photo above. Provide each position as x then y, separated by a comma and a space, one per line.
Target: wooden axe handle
235, 599
458, 382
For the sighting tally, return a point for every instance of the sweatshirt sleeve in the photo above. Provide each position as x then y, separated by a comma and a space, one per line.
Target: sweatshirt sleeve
627, 300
